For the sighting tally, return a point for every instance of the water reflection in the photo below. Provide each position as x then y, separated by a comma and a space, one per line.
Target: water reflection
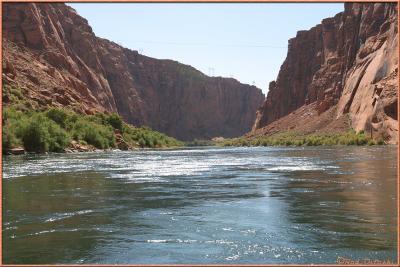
209, 205
352, 207
55, 212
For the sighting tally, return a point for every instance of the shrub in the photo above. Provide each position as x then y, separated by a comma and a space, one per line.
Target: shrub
95, 138
51, 130
299, 143
145, 137
100, 136
149, 141
12, 114
35, 136
380, 142
59, 116
371, 142
59, 139
142, 142
115, 121
292, 138
42, 135
9, 140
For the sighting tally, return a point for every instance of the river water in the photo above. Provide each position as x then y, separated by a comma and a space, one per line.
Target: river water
202, 205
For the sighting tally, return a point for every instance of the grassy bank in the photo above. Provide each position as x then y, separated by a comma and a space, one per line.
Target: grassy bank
55, 130
197, 142
295, 139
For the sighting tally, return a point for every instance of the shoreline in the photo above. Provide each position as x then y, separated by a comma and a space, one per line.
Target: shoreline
62, 130
96, 150
188, 147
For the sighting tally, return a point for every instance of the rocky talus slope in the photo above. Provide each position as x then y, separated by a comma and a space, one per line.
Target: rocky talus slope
53, 56
341, 73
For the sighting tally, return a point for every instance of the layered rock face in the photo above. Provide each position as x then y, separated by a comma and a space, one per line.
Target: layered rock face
52, 54
347, 65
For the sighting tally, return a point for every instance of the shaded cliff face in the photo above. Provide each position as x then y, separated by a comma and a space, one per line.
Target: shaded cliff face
346, 65
52, 54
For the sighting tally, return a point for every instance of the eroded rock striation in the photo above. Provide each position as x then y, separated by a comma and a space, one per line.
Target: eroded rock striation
52, 54
346, 66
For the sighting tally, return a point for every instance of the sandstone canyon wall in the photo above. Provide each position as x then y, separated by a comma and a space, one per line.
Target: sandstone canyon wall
52, 54
346, 66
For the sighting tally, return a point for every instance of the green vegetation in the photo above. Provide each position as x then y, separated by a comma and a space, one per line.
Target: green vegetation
16, 97
146, 137
54, 129
295, 139
197, 142
39, 134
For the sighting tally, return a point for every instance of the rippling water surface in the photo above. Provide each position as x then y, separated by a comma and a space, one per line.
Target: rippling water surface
201, 205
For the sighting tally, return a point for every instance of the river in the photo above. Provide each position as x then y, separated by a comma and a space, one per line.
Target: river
202, 205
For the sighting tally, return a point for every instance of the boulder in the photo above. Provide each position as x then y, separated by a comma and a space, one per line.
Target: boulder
16, 151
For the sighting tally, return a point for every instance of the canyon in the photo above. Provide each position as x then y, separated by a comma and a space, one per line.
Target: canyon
340, 74
302, 196
52, 56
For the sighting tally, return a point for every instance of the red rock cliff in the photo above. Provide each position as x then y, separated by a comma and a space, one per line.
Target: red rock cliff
348, 65
53, 55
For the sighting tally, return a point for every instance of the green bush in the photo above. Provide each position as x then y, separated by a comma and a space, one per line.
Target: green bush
199, 142
98, 135
59, 116
115, 121
146, 137
42, 135
9, 139
380, 142
52, 130
59, 139
297, 139
142, 142
371, 142
12, 114
35, 136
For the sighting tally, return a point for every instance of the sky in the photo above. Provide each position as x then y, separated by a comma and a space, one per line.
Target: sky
247, 42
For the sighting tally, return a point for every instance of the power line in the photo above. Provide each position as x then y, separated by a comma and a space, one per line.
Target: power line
209, 44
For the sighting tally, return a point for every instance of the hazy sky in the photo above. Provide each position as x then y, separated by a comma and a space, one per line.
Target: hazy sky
244, 41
